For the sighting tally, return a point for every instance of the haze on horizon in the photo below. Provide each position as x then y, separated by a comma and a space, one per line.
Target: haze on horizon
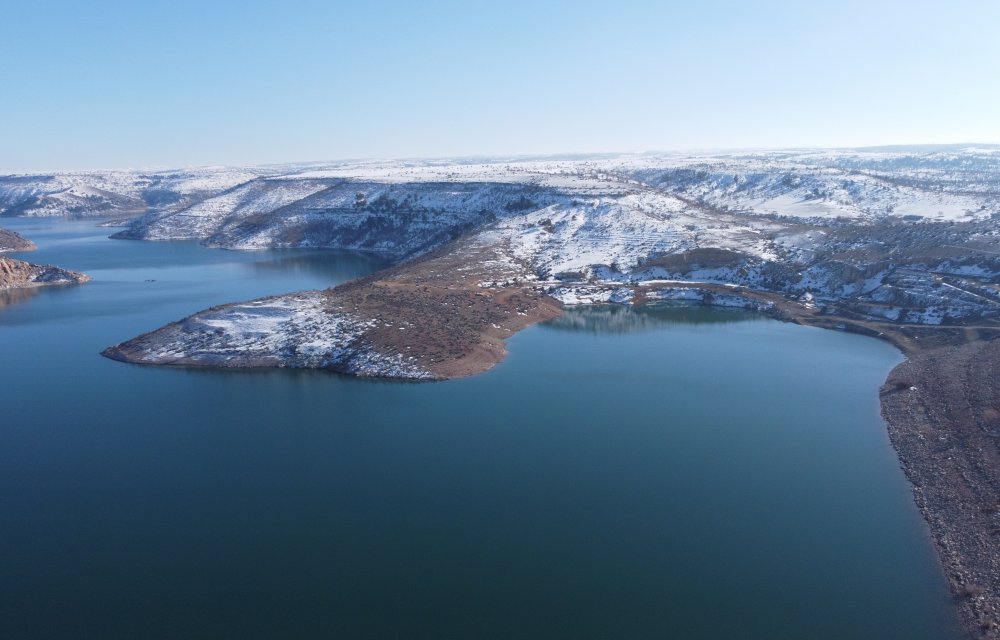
118, 85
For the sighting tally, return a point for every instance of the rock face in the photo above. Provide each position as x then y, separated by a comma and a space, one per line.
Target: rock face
18, 274
10, 241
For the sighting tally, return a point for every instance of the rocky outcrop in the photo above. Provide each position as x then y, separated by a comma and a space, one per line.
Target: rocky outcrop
10, 241
16, 274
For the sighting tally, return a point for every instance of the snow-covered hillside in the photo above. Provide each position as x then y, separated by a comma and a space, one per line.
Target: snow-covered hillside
903, 234
618, 211
791, 187
950, 183
398, 220
116, 193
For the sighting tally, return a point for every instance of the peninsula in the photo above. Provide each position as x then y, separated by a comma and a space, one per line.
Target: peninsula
18, 274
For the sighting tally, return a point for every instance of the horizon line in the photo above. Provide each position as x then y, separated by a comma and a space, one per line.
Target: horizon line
496, 158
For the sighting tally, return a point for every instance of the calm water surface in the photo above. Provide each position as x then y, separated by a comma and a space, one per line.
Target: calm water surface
669, 473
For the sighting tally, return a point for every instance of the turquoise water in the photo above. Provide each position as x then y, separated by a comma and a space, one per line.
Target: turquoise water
656, 473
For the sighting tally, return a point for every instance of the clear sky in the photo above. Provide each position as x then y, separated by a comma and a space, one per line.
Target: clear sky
144, 84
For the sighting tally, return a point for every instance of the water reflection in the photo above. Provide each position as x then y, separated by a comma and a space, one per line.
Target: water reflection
621, 319
14, 296
335, 266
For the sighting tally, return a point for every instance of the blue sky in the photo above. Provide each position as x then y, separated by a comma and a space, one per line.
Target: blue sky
135, 84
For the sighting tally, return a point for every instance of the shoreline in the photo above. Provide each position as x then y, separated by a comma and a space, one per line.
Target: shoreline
18, 275
943, 424
941, 408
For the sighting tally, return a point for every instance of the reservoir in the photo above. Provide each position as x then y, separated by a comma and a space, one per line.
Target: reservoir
667, 472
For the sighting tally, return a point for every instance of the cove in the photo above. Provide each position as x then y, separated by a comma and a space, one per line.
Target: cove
624, 473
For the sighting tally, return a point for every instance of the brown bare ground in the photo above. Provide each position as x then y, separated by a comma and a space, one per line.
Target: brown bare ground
436, 311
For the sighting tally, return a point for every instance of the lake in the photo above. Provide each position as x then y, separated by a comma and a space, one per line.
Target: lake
628, 473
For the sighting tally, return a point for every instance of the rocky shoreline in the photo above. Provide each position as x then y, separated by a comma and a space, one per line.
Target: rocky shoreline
941, 406
20, 275
17, 274
11, 241
942, 412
